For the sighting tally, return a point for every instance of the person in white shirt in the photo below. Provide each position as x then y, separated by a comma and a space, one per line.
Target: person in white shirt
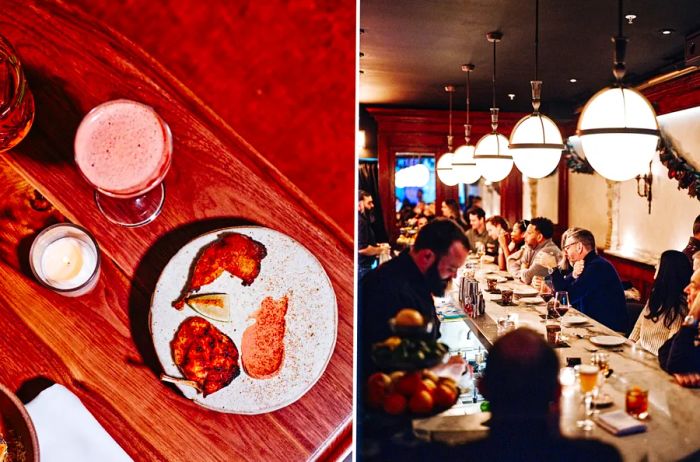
667, 306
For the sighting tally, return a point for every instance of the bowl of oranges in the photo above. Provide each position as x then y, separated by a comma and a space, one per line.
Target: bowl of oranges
412, 394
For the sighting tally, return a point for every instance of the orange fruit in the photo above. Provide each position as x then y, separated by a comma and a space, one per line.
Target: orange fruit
394, 403
409, 317
409, 383
428, 374
444, 396
427, 385
395, 376
421, 403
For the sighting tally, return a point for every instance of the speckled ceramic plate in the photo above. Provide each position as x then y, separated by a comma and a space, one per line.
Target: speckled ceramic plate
311, 320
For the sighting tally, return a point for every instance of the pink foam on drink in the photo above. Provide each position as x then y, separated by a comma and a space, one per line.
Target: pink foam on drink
123, 147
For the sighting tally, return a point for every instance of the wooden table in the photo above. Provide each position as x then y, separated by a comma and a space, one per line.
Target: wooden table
98, 345
674, 417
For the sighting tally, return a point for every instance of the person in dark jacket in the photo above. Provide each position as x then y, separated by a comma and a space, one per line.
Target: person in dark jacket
594, 286
694, 243
681, 353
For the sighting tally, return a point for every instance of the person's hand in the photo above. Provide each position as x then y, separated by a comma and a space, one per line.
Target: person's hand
537, 282
578, 269
690, 380
695, 309
502, 239
548, 261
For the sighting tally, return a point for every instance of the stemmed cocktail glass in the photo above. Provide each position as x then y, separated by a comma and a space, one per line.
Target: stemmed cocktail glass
124, 149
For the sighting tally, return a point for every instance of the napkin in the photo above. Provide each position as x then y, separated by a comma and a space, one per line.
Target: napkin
68, 432
620, 423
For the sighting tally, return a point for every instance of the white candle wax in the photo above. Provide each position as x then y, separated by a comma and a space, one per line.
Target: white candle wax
68, 263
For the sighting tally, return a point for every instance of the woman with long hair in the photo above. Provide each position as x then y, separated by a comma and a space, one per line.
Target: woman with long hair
450, 209
667, 306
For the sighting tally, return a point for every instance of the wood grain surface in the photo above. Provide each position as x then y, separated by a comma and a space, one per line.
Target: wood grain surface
98, 345
282, 72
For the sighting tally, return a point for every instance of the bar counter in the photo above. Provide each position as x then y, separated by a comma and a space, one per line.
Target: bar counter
673, 410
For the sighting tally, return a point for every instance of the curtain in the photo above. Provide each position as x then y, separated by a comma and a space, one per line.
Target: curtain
369, 181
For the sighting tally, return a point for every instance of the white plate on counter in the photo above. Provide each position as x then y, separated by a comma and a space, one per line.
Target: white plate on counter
608, 340
575, 319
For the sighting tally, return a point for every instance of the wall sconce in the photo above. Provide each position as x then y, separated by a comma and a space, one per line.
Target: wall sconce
644, 186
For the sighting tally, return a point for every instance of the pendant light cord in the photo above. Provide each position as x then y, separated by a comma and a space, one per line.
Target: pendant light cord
468, 95
493, 76
537, 38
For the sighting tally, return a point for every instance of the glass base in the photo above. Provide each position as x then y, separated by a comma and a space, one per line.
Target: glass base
132, 212
585, 425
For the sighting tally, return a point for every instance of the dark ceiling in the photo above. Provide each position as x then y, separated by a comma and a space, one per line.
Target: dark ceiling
412, 48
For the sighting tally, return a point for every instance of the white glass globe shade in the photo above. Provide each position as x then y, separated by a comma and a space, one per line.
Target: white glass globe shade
619, 133
464, 165
444, 169
493, 157
536, 145
414, 176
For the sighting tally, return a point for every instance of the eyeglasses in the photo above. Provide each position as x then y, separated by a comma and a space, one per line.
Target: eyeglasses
569, 245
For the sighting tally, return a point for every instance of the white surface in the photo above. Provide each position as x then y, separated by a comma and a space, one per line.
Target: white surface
67, 432
311, 320
575, 319
607, 340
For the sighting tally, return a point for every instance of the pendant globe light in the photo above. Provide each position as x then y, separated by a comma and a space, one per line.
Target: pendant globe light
444, 168
536, 142
618, 128
491, 153
463, 162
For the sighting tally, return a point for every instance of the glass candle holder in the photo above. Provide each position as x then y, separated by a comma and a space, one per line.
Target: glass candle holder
66, 259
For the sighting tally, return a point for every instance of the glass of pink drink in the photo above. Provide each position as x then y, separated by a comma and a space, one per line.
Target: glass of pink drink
124, 149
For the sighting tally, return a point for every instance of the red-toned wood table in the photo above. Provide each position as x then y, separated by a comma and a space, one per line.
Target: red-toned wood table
99, 345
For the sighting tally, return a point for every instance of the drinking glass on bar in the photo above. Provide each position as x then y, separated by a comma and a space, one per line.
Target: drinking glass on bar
588, 382
124, 149
602, 360
637, 402
561, 306
16, 101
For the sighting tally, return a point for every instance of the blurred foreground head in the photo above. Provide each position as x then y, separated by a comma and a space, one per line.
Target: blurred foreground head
522, 375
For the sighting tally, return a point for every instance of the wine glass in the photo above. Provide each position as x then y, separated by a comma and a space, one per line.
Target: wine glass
124, 150
561, 306
546, 289
588, 382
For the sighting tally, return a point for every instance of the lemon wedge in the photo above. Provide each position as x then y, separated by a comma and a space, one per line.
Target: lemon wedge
212, 306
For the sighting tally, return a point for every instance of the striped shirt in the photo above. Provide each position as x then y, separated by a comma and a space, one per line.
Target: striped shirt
651, 335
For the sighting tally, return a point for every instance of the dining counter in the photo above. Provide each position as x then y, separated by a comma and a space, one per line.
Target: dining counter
673, 410
98, 345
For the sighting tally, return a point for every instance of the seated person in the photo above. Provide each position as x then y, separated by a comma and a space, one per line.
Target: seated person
667, 306
521, 382
538, 240
477, 235
593, 285
497, 227
517, 237
681, 353
450, 209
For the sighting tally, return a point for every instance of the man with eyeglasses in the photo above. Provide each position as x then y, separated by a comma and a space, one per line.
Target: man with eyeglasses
593, 285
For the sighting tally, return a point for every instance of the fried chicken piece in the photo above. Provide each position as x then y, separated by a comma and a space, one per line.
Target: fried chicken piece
205, 355
262, 346
236, 253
